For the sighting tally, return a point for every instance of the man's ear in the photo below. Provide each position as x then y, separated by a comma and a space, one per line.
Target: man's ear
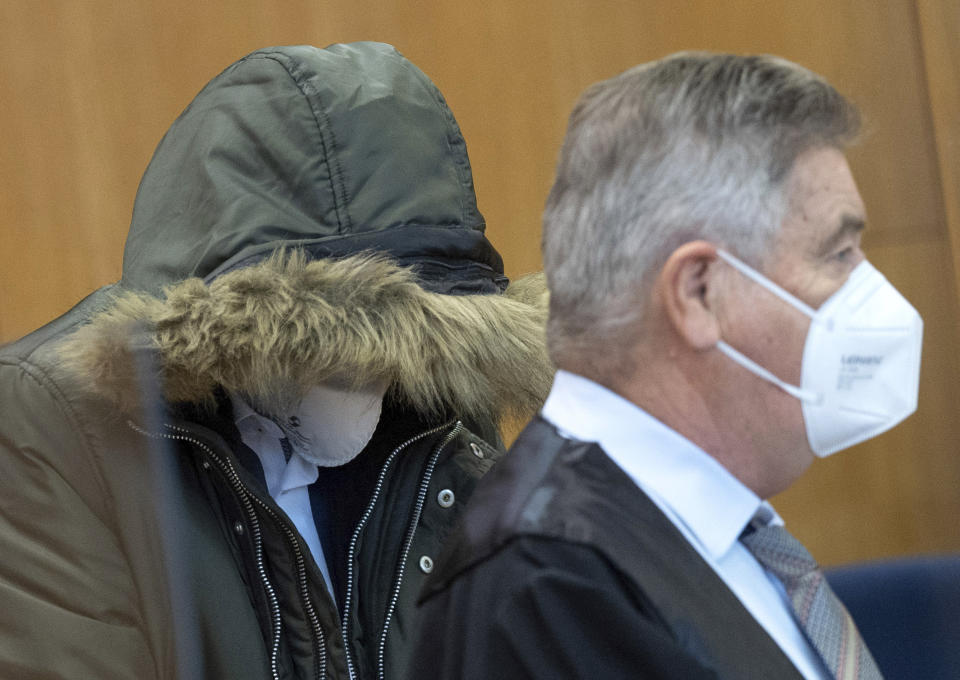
685, 283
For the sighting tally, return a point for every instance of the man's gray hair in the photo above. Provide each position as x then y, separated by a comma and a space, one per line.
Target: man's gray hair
694, 146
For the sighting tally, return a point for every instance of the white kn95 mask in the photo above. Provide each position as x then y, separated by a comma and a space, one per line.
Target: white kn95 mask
860, 370
333, 423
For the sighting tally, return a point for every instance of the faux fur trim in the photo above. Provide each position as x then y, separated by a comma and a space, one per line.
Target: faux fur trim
272, 331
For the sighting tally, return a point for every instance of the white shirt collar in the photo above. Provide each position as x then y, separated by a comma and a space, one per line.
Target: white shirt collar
263, 436
686, 482
242, 410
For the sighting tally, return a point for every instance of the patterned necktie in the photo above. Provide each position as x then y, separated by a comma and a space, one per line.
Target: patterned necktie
820, 613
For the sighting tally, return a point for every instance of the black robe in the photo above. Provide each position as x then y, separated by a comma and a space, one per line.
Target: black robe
563, 568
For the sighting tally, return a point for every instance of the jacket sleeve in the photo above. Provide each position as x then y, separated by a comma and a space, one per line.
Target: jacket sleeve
543, 609
69, 605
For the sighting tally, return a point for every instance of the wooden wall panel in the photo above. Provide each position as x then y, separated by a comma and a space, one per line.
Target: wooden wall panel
89, 86
940, 42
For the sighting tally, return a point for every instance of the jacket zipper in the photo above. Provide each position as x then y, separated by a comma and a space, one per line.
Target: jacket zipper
411, 530
320, 647
345, 619
248, 498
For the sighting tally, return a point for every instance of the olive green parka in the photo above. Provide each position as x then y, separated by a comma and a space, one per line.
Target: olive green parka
310, 216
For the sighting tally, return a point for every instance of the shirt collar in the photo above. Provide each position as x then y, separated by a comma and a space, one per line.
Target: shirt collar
243, 413
684, 480
280, 475
298, 472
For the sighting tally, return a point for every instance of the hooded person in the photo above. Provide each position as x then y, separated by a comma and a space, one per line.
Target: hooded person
240, 460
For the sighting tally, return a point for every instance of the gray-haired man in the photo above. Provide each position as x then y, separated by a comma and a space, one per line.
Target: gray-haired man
716, 327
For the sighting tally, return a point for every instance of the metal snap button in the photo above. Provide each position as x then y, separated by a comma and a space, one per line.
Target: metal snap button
238, 528
205, 465
445, 498
477, 451
426, 564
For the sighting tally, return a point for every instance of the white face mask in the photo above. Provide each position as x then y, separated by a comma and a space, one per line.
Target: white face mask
333, 424
860, 372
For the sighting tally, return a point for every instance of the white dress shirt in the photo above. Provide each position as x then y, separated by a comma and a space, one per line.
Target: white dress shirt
287, 481
704, 501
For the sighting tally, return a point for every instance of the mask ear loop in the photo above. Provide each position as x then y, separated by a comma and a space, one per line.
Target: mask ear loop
807, 396
763, 281
751, 365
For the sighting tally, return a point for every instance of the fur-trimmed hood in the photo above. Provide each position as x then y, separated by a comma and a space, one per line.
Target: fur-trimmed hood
311, 216
274, 330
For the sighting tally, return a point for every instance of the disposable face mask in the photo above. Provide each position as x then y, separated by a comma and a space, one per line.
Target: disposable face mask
860, 371
333, 424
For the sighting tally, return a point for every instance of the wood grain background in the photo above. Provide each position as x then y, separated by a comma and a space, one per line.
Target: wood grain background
88, 87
